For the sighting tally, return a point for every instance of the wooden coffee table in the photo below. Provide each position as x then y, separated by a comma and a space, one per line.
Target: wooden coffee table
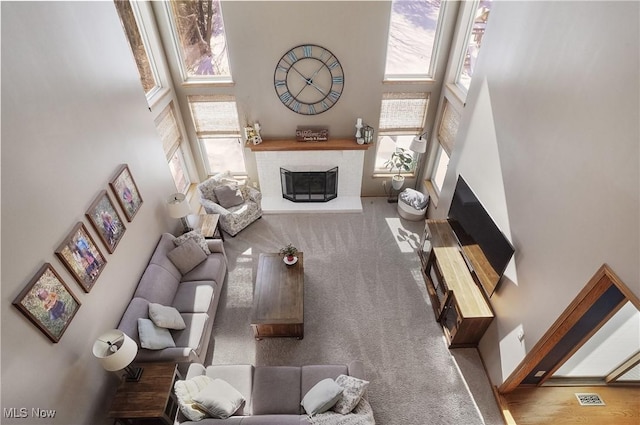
278, 299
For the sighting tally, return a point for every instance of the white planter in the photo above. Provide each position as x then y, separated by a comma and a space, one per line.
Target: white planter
397, 182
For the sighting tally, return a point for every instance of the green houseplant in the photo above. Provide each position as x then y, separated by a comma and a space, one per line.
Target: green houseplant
289, 252
401, 160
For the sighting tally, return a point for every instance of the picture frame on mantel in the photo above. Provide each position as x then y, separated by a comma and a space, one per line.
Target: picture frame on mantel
106, 221
48, 303
126, 191
82, 257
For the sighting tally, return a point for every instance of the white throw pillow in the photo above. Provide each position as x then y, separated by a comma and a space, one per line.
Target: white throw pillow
219, 399
153, 337
185, 390
166, 317
321, 397
354, 388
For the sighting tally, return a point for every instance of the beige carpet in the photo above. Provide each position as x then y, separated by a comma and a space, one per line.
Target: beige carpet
364, 299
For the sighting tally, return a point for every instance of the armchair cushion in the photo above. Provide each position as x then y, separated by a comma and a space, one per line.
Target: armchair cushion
228, 195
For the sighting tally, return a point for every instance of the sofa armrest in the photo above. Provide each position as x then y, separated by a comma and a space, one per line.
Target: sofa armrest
212, 208
216, 245
253, 194
356, 369
195, 369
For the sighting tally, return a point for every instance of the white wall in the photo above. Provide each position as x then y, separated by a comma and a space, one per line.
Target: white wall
72, 111
549, 143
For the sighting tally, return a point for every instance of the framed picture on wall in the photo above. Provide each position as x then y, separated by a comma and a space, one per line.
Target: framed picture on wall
126, 191
82, 257
48, 303
105, 219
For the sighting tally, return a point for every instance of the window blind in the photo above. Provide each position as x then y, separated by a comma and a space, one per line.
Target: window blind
403, 112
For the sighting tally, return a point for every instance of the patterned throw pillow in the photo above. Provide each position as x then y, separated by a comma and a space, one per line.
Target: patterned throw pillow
186, 390
197, 238
354, 388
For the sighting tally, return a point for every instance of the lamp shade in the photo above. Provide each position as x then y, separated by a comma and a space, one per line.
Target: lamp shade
115, 350
418, 144
178, 206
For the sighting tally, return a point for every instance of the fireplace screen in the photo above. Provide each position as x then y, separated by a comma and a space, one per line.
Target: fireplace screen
309, 186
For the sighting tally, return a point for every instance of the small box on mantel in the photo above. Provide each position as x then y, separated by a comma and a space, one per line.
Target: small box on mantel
312, 134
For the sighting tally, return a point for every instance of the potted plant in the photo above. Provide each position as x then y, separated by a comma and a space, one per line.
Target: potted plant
289, 253
401, 160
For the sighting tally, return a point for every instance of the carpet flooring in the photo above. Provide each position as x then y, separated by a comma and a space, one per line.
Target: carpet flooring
365, 299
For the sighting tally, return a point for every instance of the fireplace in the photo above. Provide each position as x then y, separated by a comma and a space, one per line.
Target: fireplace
309, 186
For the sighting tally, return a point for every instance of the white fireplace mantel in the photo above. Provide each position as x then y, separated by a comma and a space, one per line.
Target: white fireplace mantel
347, 155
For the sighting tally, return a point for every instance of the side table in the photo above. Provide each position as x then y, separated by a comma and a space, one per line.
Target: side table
150, 400
207, 224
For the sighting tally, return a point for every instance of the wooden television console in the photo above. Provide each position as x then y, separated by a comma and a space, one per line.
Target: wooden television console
453, 283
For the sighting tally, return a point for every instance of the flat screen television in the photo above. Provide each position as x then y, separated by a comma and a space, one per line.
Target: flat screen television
474, 228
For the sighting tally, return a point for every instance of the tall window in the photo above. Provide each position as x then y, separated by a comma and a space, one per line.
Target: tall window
218, 129
413, 32
474, 42
402, 117
148, 74
200, 40
169, 131
447, 130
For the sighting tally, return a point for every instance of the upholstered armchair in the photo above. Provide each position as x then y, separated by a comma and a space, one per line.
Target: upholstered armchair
233, 218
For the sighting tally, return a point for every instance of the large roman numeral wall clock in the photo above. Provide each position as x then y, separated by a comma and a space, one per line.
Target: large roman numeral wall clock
309, 79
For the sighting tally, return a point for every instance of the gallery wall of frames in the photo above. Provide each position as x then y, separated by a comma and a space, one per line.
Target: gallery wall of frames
47, 301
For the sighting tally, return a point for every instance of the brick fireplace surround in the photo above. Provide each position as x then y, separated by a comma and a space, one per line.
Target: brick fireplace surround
345, 154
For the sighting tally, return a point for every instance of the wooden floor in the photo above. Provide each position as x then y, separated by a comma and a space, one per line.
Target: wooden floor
559, 406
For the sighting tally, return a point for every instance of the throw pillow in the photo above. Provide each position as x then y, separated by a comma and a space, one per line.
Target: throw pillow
185, 390
321, 397
354, 388
414, 198
187, 256
195, 236
166, 317
153, 337
219, 399
228, 195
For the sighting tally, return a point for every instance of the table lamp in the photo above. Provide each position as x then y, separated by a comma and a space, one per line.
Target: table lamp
116, 351
419, 144
179, 208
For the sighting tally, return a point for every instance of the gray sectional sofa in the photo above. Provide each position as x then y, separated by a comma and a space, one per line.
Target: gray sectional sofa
195, 295
272, 393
